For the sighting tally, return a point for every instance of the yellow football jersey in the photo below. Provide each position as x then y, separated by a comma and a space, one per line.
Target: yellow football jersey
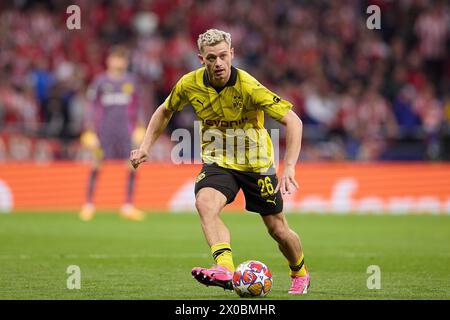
232, 118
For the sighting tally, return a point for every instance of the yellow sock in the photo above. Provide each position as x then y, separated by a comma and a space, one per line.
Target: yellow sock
299, 269
221, 253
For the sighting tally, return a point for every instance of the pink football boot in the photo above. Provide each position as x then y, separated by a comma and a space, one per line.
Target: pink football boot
215, 276
299, 285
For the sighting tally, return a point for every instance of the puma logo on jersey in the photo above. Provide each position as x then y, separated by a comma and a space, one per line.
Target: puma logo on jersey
273, 201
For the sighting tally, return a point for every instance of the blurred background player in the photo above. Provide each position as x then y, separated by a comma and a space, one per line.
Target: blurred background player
112, 126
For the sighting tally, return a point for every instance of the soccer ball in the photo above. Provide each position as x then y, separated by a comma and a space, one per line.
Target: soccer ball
252, 279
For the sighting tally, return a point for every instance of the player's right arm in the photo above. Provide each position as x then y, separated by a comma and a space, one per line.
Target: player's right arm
156, 126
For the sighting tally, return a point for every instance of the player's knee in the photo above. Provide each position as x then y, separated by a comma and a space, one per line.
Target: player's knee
278, 232
205, 204
201, 204
209, 201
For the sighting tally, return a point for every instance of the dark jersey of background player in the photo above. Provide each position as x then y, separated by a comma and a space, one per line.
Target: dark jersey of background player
113, 113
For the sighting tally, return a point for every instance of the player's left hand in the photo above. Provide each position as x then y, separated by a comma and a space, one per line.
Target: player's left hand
287, 183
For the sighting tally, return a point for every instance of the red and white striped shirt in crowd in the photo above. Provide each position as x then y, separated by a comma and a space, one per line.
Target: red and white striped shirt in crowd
432, 28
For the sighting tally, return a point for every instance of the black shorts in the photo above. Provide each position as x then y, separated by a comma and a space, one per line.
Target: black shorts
258, 188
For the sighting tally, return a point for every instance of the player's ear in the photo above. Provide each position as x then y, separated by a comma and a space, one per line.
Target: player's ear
202, 60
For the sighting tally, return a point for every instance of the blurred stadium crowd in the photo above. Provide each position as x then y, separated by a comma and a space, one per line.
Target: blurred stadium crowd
362, 94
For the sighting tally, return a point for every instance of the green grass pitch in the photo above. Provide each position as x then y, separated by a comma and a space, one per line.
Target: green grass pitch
152, 259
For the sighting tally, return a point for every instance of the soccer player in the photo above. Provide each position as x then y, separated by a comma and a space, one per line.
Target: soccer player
111, 123
225, 98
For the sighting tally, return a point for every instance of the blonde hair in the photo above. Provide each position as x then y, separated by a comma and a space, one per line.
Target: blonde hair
212, 37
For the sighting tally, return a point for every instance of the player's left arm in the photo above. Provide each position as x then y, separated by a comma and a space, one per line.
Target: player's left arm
281, 111
294, 130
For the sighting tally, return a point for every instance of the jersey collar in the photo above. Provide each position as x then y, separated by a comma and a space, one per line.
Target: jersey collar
231, 82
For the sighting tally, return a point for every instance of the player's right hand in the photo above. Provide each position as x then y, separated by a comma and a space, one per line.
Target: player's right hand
138, 156
287, 183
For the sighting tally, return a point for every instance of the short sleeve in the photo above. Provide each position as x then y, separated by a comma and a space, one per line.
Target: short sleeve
177, 99
269, 102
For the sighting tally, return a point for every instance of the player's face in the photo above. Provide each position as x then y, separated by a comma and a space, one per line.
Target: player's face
217, 60
117, 63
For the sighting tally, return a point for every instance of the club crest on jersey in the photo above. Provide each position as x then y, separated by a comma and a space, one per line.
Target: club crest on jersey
237, 102
128, 88
276, 99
